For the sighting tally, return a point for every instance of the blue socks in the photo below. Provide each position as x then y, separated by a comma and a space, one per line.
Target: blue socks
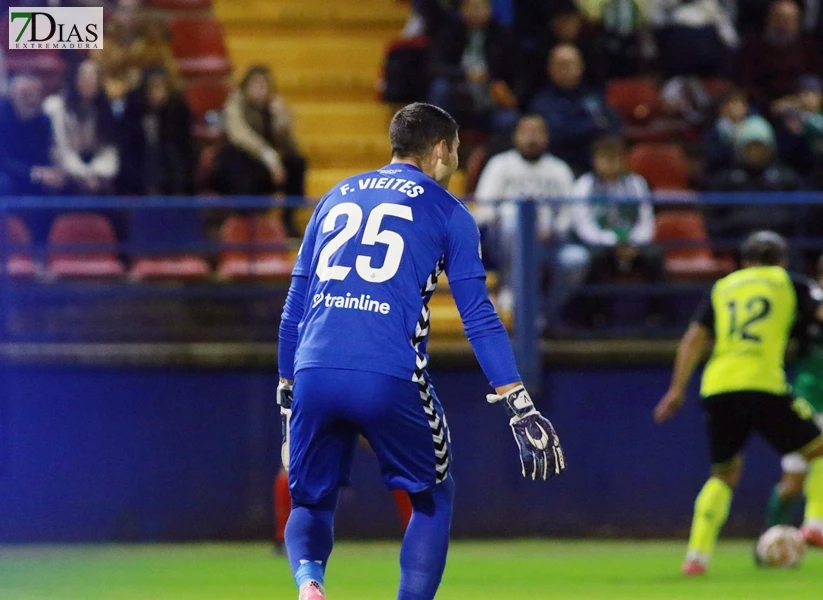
310, 537
426, 544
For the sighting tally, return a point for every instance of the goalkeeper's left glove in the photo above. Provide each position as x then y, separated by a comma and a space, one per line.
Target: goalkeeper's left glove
541, 456
284, 400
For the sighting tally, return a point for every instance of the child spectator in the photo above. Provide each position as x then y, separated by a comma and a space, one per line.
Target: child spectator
83, 126
26, 166
157, 152
615, 219
262, 156
755, 169
720, 140
472, 70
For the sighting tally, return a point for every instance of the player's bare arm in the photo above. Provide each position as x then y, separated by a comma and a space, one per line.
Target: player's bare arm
689, 353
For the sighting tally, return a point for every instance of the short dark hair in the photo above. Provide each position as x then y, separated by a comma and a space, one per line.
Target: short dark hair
415, 129
764, 248
254, 71
609, 143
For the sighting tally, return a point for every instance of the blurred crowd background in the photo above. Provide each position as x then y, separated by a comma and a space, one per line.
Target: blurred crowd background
612, 114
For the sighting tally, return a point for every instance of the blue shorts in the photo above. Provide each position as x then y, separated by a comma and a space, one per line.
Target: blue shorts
402, 421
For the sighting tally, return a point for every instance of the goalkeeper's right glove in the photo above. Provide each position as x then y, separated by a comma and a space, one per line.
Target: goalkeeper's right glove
541, 456
284, 400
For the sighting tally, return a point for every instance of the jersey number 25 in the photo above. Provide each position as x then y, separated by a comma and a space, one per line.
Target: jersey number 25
371, 235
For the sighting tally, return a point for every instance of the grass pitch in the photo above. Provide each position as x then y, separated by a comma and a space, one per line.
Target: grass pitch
548, 569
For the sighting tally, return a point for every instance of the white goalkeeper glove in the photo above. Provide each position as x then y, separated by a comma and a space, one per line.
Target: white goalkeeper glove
541, 456
284, 400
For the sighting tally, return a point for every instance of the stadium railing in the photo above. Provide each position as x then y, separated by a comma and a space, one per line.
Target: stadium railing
40, 305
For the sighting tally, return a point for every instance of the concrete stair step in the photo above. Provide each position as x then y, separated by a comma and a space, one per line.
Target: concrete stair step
308, 52
352, 118
312, 14
327, 84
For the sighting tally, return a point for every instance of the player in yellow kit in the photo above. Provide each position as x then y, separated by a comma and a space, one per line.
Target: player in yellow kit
750, 315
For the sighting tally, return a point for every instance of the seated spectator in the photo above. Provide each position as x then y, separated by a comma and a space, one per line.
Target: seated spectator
529, 172
694, 37
721, 138
756, 169
625, 39
83, 126
26, 167
575, 114
262, 156
772, 62
157, 152
132, 42
565, 25
800, 127
619, 234
472, 70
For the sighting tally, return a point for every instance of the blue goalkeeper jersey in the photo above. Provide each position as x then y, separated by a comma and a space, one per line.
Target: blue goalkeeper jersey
372, 253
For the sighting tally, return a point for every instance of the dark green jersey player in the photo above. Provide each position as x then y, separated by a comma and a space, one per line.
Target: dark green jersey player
750, 315
787, 496
809, 381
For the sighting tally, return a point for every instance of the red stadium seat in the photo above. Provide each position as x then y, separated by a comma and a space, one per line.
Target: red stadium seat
249, 264
691, 262
19, 264
197, 44
637, 100
180, 4
664, 166
83, 228
169, 268
204, 96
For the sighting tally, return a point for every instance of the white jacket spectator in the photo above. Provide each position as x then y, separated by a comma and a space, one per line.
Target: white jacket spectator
528, 172
510, 176
84, 136
607, 223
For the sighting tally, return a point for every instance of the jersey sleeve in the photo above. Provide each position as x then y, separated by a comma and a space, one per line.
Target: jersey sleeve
704, 315
485, 332
809, 298
463, 254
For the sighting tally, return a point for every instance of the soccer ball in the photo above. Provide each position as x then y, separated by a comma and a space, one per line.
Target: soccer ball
781, 546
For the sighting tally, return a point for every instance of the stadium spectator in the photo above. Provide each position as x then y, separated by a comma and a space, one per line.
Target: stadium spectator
565, 25
756, 169
771, 63
530, 172
84, 132
262, 156
618, 233
472, 70
575, 114
720, 139
752, 15
693, 37
132, 42
26, 165
800, 127
625, 40
157, 152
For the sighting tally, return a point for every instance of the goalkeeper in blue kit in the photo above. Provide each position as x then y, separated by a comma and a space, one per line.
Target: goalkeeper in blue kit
353, 359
